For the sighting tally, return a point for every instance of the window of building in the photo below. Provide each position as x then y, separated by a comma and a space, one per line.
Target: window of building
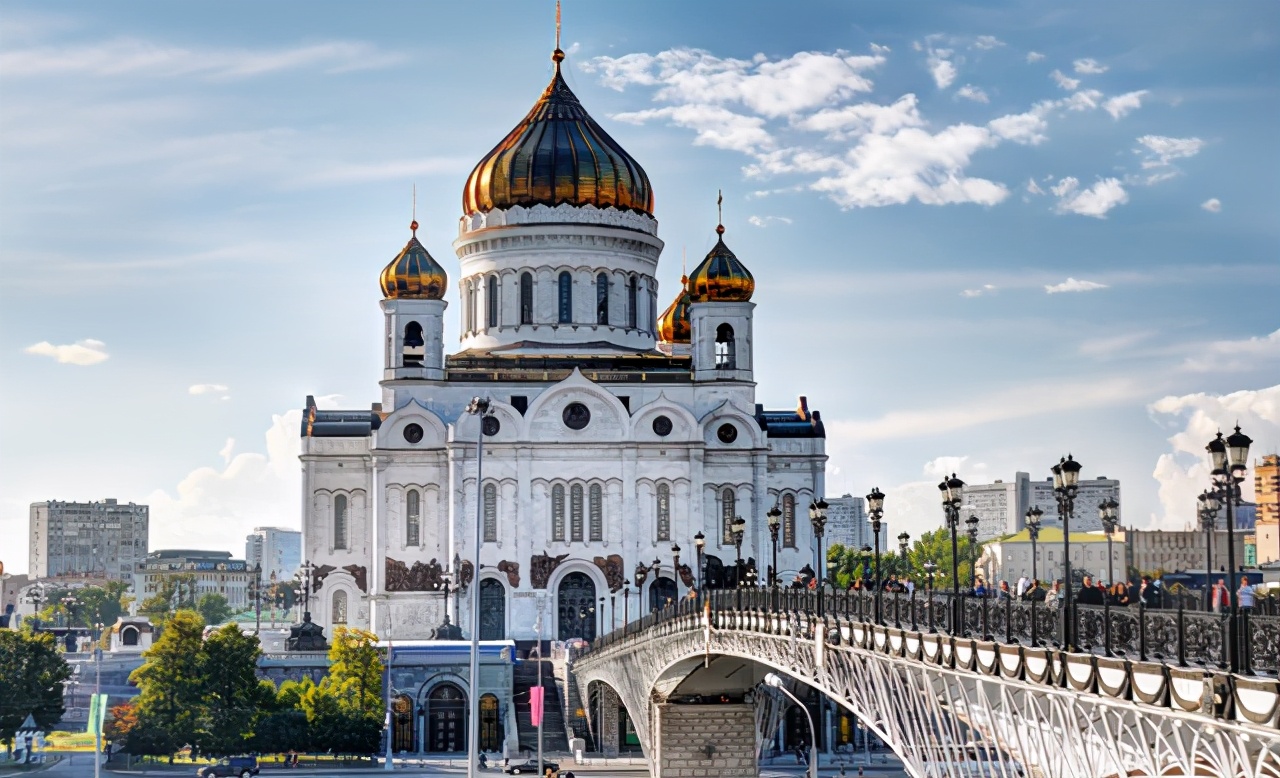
526, 298
728, 509
340, 522
575, 514
339, 607
602, 298
412, 518
471, 307
566, 297
597, 513
491, 300
490, 513
725, 358
788, 521
557, 512
664, 512
632, 287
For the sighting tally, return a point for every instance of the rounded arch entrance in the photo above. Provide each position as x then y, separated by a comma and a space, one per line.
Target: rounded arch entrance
403, 736
493, 610
576, 606
446, 719
662, 592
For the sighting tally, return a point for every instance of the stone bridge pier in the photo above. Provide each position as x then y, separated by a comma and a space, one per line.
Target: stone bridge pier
705, 741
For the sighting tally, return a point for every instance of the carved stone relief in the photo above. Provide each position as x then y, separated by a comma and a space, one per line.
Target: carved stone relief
611, 566
428, 577
541, 567
512, 569
360, 574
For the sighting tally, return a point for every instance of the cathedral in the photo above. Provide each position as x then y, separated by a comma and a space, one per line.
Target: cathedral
619, 440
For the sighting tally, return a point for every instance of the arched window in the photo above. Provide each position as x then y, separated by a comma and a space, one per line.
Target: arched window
557, 512
724, 347
788, 521
652, 318
664, 512
339, 607
575, 514
597, 513
566, 297
526, 298
413, 518
471, 307
340, 522
728, 509
602, 298
412, 350
632, 288
490, 513
491, 300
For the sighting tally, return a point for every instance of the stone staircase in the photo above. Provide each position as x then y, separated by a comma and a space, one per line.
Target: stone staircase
525, 678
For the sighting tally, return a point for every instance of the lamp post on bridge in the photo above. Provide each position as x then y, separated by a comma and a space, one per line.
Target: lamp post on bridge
775, 524
1109, 515
875, 508
1230, 459
818, 518
675, 568
952, 490
1033, 531
1066, 481
699, 545
971, 528
737, 528
1208, 522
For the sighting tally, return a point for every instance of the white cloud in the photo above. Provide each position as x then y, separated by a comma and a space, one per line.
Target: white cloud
942, 70
1033, 187
1121, 105
1095, 201
1064, 81
130, 56
987, 42
1183, 472
225, 453
82, 352
715, 126
1034, 56
863, 118
1234, 355
1072, 285
199, 389
1089, 67
1161, 150
1084, 100
1212, 205
1027, 129
1113, 344
971, 92
1065, 186
765, 221
985, 289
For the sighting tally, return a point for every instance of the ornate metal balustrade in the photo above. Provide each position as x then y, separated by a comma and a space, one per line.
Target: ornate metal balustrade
1143, 694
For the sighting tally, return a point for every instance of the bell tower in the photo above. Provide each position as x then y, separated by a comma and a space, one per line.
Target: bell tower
413, 287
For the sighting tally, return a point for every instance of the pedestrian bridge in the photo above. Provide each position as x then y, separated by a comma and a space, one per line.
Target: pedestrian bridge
954, 685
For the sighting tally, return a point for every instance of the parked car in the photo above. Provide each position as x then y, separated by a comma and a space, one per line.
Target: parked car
531, 767
240, 766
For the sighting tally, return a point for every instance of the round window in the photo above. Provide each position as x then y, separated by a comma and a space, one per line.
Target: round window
491, 425
576, 416
727, 433
413, 433
662, 426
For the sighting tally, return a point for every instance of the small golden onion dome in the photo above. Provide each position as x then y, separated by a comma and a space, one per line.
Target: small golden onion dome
557, 154
720, 277
413, 273
673, 324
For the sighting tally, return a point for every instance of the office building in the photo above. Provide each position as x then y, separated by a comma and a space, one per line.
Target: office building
278, 550
210, 572
1001, 507
104, 540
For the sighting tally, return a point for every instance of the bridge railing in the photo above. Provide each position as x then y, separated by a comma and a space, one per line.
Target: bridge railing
1174, 636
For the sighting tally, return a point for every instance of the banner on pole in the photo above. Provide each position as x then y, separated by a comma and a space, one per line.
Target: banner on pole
535, 705
97, 712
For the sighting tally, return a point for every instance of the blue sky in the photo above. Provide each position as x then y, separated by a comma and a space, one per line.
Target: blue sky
983, 236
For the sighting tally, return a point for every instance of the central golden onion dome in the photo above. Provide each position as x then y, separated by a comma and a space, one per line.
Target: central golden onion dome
720, 277
413, 273
673, 324
557, 154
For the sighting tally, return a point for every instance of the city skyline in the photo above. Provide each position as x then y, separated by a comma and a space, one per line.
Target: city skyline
981, 239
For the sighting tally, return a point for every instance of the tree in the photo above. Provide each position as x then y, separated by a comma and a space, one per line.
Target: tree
355, 672
213, 608
232, 694
176, 593
169, 687
102, 604
32, 675
121, 722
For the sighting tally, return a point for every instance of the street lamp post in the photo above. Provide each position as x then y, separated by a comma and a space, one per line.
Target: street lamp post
1109, 515
904, 540
1066, 481
952, 490
929, 567
257, 597
775, 523
699, 545
737, 528
971, 528
675, 568
1033, 531
1208, 522
875, 508
1230, 459
774, 680
818, 518
478, 407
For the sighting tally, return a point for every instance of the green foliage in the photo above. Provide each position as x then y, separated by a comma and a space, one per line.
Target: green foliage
170, 689
355, 672
32, 675
213, 608
232, 695
933, 546
103, 604
281, 731
177, 593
